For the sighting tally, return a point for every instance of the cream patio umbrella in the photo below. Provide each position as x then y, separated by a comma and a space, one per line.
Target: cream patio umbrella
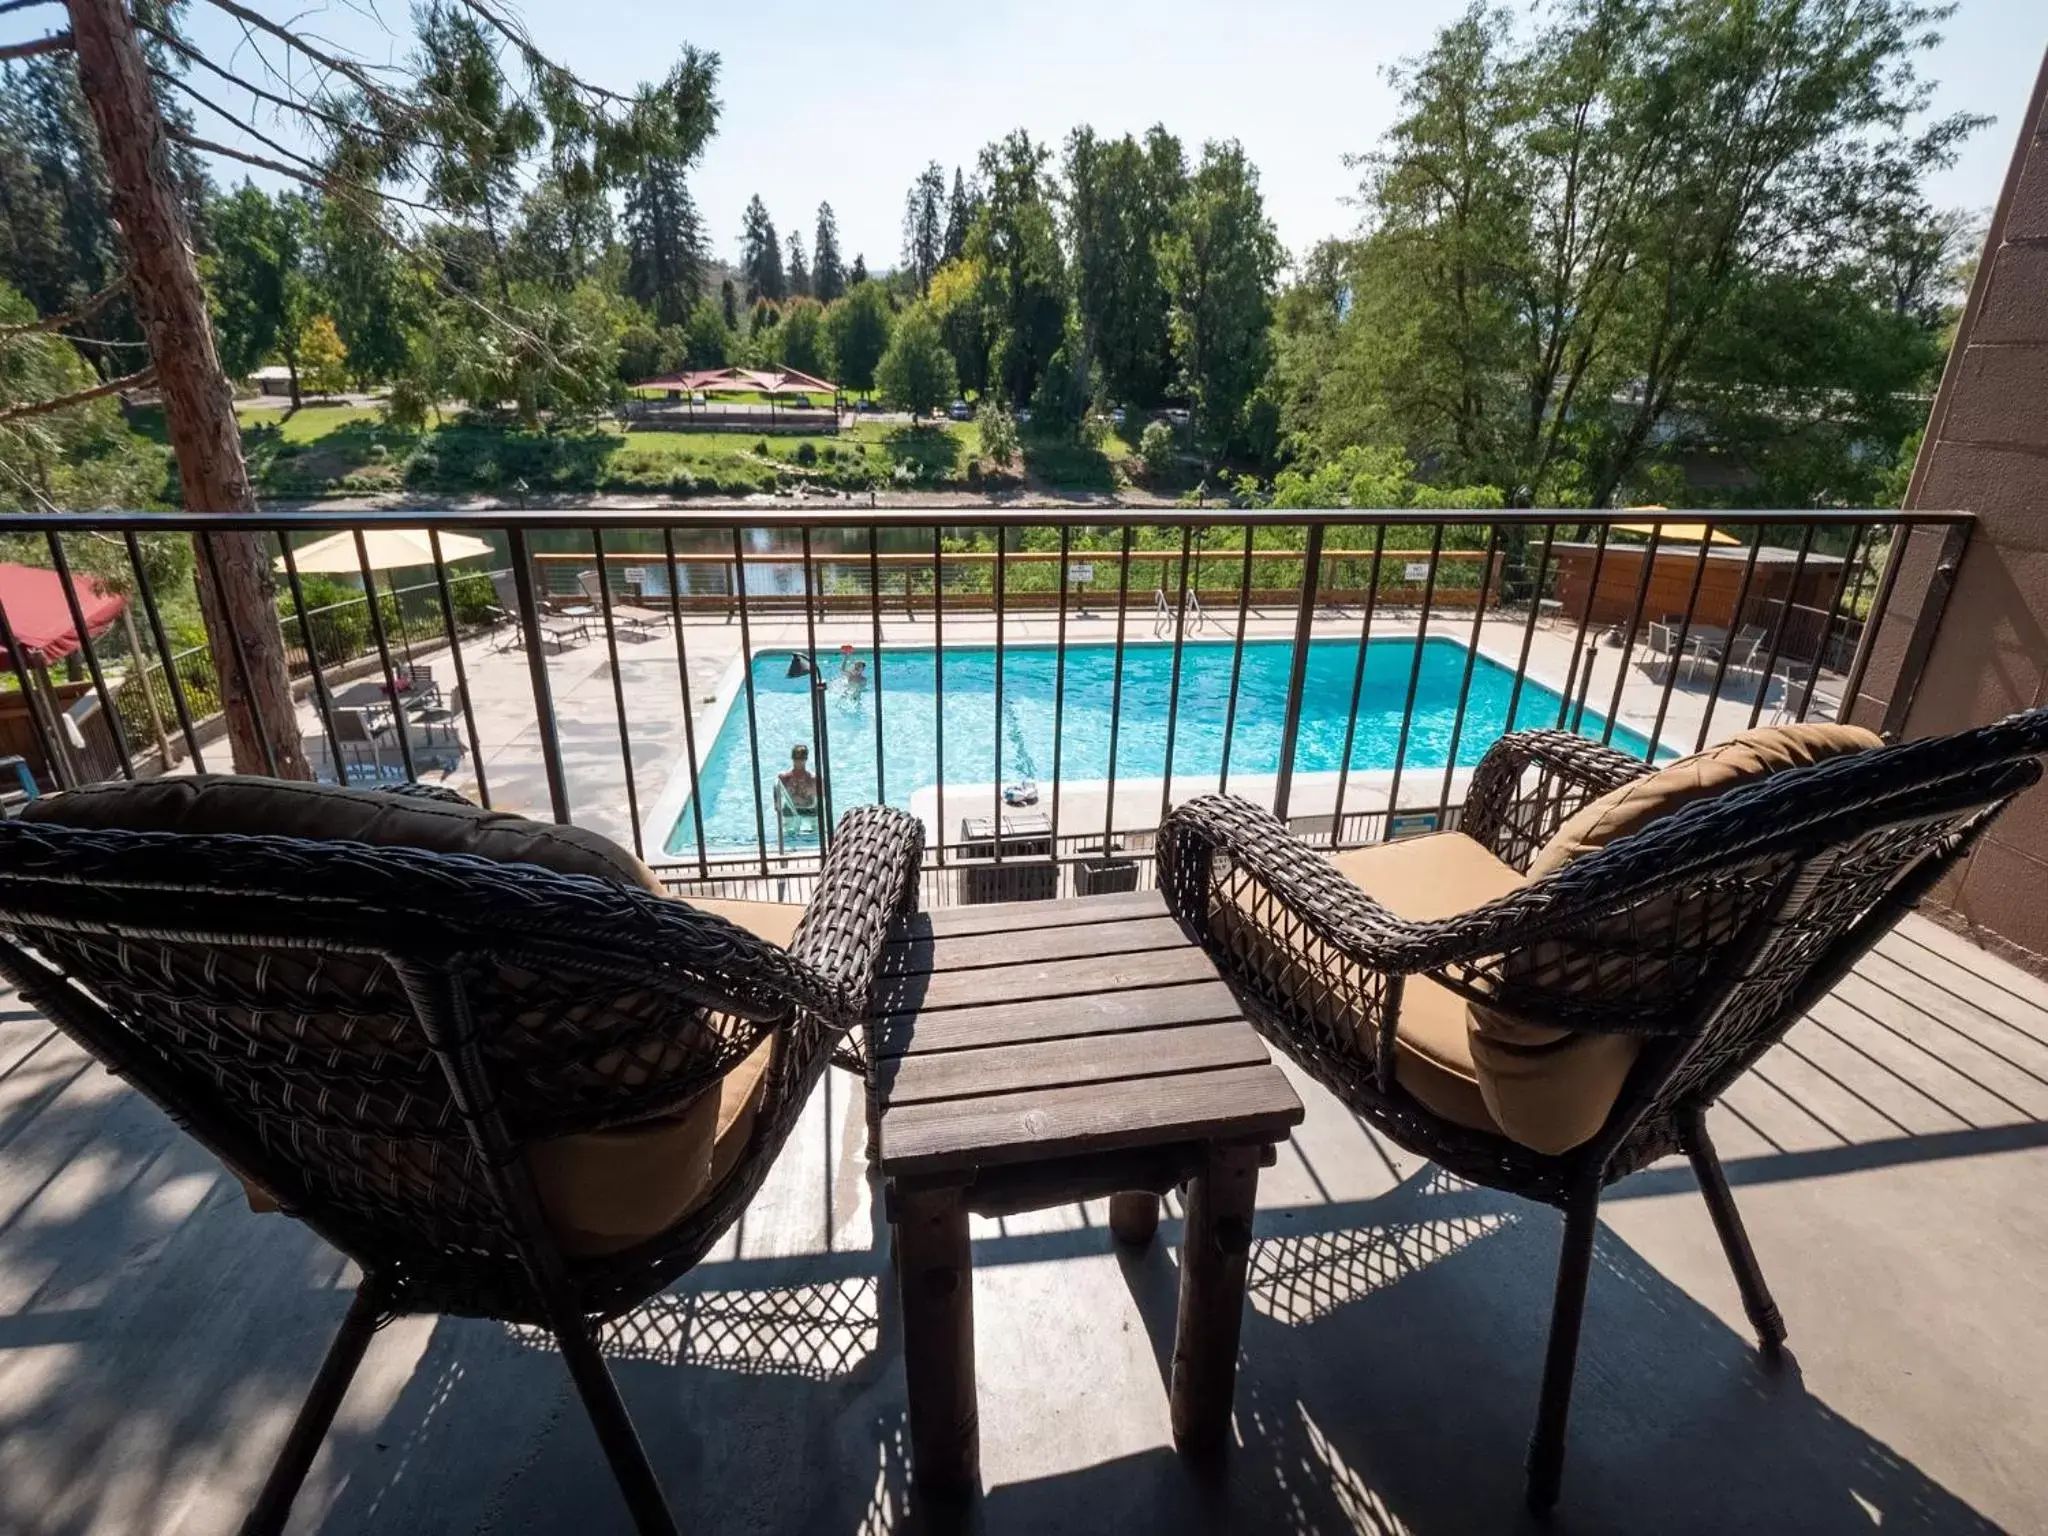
388, 549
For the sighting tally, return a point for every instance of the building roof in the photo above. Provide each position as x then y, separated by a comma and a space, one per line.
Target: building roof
770, 381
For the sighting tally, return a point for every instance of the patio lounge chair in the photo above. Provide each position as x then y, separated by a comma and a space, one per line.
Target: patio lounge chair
1551, 997
485, 1058
641, 623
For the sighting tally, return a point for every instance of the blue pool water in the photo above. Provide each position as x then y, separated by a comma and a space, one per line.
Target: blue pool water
911, 740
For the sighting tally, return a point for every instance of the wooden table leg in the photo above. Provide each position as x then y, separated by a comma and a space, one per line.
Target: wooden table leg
935, 1275
1134, 1216
1215, 1249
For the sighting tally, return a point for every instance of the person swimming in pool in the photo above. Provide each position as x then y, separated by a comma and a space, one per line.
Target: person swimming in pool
796, 787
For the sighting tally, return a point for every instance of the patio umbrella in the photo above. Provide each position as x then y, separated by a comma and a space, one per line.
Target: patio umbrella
388, 549
1677, 533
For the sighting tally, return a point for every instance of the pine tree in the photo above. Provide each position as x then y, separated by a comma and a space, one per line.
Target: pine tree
798, 274
828, 272
664, 240
859, 274
959, 217
924, 229
729, 301
761, 255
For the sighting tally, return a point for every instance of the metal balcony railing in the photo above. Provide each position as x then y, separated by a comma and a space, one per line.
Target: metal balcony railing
1039, 684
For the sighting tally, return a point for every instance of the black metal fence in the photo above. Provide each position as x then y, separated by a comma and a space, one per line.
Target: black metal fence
1345, 667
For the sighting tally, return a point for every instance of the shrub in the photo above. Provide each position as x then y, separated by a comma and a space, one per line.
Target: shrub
806, 454
1155, 448
998, 433
762, 448
831, 453
682, 483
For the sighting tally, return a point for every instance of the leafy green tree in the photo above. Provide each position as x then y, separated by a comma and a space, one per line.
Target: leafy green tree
959, 300
1219, 264
761, 255
1120, 202
323, 360
257, 280
640, 353
1016, 239
828, 272
916, 373
859, 326
802, 341
376, 296
478, 130
564, 231
924, 226
998, 429
707, 339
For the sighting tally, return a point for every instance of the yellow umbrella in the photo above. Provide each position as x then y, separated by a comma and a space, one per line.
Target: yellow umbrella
1677, 533
388, 549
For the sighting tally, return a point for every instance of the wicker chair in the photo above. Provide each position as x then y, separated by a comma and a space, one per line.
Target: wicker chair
1704, 936
379, 1036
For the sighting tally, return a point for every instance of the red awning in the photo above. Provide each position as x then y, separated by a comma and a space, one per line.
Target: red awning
41, 618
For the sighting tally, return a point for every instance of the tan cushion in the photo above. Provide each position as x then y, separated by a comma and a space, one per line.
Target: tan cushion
1551, 1089
602, 1190
1425, 878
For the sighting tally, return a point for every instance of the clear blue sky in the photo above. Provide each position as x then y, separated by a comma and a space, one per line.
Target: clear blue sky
846, 103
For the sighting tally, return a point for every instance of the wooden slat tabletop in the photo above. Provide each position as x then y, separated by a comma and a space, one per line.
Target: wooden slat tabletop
1036, 1030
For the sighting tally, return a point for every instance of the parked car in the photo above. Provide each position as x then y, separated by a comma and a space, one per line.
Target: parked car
865, 405
960, 410
1116, 416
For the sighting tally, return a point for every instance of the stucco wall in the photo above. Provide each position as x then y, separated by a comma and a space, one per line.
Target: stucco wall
1986, 452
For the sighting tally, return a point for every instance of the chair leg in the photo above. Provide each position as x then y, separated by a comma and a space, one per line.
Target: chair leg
615, 1431
1567, 1310
274, 1504
1749, 1276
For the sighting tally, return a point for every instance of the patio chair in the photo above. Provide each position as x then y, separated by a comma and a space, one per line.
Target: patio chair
639, 622
369, 747
486, 1058
1744, 649
1551, 997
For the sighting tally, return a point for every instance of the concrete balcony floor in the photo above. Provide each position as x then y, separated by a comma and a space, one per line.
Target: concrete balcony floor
156, 1337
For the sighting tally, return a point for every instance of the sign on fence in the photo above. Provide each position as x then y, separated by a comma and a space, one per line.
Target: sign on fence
1081, 573
1415, 571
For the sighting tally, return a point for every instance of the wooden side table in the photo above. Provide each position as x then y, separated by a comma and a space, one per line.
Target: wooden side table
1030, 1054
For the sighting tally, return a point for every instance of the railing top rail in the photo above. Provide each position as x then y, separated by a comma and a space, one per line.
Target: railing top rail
795, 518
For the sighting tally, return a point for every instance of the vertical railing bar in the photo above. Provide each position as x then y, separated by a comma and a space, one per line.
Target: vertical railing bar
1436, 550
323, 703
163, 650
1734, 629
739, 581
1529, 627
939, 687
53, 756
1180, 621
476, 749
1116, 696
1827, 634
242, 671
821, 743
1784, 623
1628, 638
1681, 640
1571, 676
1372, 595
675, 618
92, 660
1443, 808
611, 645
1859, 668
1059, 682
875, 624
384, 656
1297, 668
537, 672
1244, 602
997, 594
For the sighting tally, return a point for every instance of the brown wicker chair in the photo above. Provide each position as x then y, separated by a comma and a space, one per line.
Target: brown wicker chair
1704, 935
378, 1037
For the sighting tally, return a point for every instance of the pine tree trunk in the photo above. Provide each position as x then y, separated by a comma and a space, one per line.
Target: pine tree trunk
236, 593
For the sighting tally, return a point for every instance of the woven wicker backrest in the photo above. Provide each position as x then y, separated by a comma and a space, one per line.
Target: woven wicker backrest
1715, 927
305, 1007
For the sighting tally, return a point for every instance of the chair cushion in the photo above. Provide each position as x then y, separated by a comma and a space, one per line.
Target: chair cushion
1425, 878
1551, 1089
602, 1190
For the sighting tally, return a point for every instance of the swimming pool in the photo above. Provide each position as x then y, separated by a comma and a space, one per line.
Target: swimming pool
911, 742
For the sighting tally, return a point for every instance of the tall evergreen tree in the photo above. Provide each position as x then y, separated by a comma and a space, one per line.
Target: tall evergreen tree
828, 272
859, 274
924, 228
799, 275
1119, 205
959, 218
729, 304
761, 255
665, 242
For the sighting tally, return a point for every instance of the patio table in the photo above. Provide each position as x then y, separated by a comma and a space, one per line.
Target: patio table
1031, 1054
